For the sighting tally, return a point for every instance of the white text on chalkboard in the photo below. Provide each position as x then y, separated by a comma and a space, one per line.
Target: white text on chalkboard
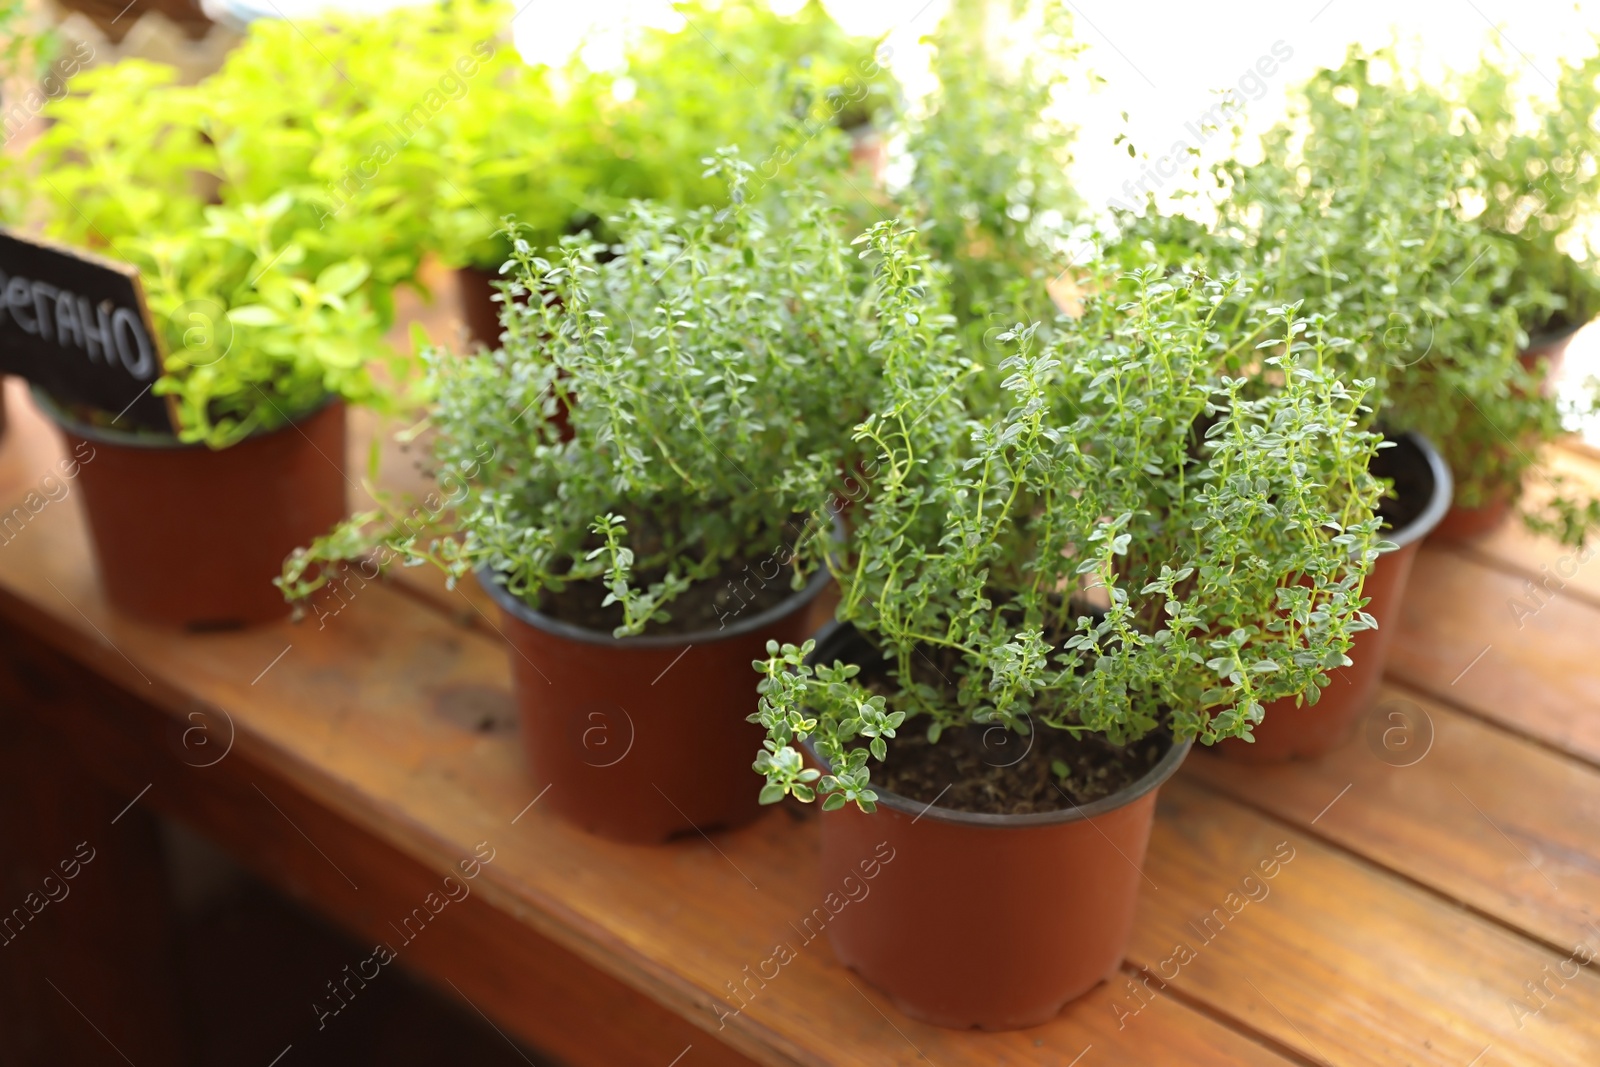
67, 319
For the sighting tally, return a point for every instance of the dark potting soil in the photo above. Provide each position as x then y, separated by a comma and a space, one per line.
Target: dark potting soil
736, 594
1408, 468
993, 770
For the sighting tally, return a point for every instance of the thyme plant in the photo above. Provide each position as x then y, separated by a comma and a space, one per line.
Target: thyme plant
1198, 473
709, 372
1539, 158
1378, 215
735, 72
990, 154
1370, 199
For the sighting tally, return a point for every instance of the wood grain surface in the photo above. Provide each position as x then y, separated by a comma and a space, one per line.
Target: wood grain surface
1443, 872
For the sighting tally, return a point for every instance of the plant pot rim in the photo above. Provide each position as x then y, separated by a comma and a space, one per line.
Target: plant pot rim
1438, 503
512, 605
1547, 338
1165, 768
153, 440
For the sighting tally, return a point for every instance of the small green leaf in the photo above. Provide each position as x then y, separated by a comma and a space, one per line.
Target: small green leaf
254, 315
341, 279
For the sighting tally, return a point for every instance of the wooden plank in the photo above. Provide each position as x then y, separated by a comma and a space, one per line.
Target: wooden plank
1463, 639
1556, 569
30, 452
469, 950
1340, 961
79, 983
1482, 817
362, 724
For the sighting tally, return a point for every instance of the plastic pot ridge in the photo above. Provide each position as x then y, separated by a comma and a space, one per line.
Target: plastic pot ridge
931, 931
187, 536
1309, 730
644, 738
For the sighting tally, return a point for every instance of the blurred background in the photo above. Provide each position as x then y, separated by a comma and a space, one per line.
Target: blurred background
1164, 65
1160, 74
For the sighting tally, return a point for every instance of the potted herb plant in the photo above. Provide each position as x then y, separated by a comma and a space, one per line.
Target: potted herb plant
1537, 159
1431, 174
1382, 210
1362, 202
1043, 605
131, 154
359, 139
361, 135
709, 371
190, 526
270, 315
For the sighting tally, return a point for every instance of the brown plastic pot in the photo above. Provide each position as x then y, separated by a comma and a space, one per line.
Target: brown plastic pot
1549, 349
869, 153
644, 738
187, 536
1462, 523
970, 920
1305, 732
479, 310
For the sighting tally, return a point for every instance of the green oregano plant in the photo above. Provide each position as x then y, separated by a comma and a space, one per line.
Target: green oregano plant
1165, 525
263, 315
122, 156
353, 113
251, 341
656, 421
255, 330
374, 137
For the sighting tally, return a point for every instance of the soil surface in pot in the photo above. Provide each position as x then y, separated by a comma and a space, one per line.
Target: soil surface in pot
737, 593
978, 769
1408, 469
996, 771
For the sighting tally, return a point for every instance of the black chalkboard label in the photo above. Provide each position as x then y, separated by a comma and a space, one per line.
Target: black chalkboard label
76, 325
